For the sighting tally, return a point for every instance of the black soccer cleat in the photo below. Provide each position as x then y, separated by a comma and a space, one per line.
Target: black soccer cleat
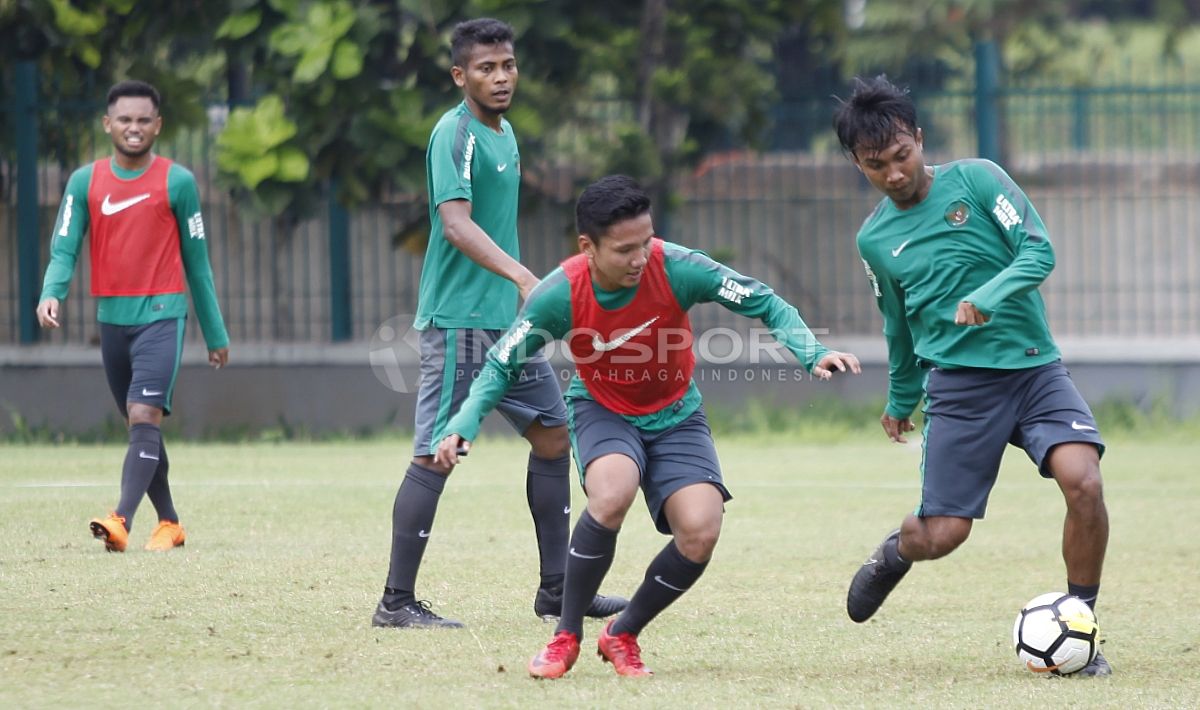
874, 581
1098, 667
414, 615
548, 604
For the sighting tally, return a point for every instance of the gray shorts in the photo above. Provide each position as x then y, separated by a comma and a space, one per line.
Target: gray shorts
141, 362
667, 460
451, 359
972, 414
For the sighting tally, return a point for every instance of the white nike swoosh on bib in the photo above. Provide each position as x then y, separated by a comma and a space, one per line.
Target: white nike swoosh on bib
897, 250
617, 342
111, 208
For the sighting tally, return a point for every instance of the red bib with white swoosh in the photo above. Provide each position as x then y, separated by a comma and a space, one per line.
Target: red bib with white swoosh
134, 236
636, 359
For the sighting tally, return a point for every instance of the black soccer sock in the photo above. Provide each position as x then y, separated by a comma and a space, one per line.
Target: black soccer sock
141, 461
669, 575
159, 491
590, 555
1086, 592
548, 491
891, 554
412, 521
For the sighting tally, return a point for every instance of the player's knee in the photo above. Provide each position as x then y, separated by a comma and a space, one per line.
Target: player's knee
427, 462
698, 544
555, 444
144, 414
1084, 489
610, 506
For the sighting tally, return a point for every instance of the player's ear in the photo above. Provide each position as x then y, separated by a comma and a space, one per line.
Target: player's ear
459, 76
587, 246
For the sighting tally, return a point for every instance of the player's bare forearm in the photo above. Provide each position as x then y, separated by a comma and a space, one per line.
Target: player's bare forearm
465, 235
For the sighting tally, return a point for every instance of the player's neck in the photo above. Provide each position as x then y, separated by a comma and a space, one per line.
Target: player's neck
491, 119
925, 185
131, 163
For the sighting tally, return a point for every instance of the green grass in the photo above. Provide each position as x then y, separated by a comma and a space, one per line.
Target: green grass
268, 605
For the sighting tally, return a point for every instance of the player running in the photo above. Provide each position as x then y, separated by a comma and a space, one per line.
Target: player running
955, 254
635, 412
141, 212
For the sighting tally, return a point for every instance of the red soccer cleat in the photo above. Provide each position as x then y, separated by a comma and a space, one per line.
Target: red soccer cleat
623, 652
557, 657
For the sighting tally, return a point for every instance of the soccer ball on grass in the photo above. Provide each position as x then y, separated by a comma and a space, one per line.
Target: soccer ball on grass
1056, 633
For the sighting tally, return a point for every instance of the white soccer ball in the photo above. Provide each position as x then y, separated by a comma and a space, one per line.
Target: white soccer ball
1056, 633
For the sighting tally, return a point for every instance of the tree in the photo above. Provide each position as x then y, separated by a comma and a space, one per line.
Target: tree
79, 53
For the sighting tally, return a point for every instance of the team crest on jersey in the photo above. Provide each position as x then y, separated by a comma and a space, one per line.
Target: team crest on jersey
958, 214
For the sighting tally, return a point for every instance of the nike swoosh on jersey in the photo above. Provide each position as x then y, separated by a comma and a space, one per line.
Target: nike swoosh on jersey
110, 208
897, 250
617, 342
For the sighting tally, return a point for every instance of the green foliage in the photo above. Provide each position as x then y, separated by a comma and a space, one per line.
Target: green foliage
80, 49
256, 146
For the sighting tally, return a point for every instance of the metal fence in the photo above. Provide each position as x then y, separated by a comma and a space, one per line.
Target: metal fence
1114, 173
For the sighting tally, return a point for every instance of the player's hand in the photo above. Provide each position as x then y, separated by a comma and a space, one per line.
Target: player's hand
968, 314
896, 428
47, 313
835, 361
218, 358
447, 451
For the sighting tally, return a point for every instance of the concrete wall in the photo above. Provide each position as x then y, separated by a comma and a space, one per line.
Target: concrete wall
334, 388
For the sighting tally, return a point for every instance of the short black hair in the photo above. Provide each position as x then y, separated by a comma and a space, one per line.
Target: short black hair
133, 87
611, 199
485, 30
876, 112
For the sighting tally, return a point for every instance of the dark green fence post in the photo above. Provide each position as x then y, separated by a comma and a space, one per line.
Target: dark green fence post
987, 92
339, 268
25, 117
1081, 110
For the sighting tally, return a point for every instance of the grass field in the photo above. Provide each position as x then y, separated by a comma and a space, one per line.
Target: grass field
269, 603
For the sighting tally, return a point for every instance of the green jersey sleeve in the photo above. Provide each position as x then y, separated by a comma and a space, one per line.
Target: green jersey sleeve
546, 316
1022, 229
905, 380
185, 203
449, 160
696, 278
69, 229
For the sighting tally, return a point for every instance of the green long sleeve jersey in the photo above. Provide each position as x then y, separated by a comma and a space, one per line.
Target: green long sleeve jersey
694, 278
976, 238
139, 310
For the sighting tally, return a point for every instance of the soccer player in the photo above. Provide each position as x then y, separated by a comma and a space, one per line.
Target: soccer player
955, 254
634, 410
141, 212
468, 294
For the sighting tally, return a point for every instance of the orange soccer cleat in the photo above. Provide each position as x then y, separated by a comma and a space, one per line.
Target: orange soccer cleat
557, 657
166, 536
622, 651
111, 531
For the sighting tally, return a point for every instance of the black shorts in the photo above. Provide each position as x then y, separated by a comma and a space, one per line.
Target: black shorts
972, 414
141, 362
666, 460
451, 359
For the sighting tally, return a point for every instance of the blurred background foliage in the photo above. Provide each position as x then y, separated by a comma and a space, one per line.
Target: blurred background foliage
322, 93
